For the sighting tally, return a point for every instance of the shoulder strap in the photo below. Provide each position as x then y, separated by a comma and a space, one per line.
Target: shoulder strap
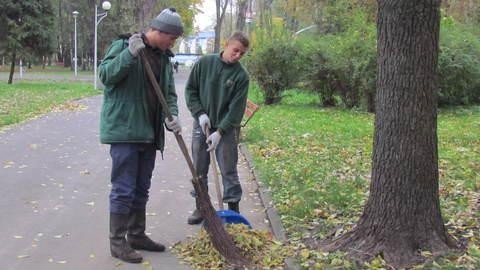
124, 36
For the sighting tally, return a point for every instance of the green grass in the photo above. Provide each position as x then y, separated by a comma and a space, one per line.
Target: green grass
317, 163
24, 100
36, 69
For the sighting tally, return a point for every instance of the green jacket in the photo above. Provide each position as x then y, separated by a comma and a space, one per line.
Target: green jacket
125, 112
219, 90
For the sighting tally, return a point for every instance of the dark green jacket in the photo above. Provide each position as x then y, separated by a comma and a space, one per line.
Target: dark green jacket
125, 112
219, 90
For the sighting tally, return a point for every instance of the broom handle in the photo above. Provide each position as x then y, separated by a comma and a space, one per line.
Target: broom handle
213, 161
221, 240
163, 102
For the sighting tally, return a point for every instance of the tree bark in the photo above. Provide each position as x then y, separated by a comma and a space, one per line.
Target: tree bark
402, 215
12, 66
60, 33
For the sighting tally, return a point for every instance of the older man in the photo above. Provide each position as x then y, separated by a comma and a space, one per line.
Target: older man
132, 123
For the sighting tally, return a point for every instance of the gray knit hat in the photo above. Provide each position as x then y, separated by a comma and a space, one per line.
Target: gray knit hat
168, 21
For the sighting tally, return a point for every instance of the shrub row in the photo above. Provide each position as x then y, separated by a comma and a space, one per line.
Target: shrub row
341, 66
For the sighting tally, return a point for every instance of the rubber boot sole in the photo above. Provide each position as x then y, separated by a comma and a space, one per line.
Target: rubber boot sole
135, 260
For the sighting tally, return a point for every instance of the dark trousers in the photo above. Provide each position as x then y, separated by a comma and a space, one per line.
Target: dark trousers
132, 167
227, 158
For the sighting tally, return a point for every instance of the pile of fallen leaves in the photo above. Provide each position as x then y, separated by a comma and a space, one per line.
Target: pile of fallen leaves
257, 245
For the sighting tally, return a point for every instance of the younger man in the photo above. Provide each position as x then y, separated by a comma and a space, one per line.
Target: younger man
216, 95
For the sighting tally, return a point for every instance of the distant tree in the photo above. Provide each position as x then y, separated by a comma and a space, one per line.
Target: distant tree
264, 15
402, 216
299, 13
135, 16
467, 11
146, 10
221, 6
27, 27
242, 7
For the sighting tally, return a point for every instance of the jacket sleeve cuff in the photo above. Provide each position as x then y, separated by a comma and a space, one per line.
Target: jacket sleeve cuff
199, 113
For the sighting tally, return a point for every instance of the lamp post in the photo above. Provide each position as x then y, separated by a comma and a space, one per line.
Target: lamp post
75, 14
98, 18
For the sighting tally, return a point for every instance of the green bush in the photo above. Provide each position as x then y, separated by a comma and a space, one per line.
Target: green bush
459, 64
273, 66
343, 64
340, 64
315, 73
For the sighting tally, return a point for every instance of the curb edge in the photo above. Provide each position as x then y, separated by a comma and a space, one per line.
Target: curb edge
272, 214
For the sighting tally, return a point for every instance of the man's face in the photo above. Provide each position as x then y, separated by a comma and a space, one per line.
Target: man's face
233, 52
163, 41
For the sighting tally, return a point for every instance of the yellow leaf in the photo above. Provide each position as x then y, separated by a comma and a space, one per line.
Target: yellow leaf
305, 253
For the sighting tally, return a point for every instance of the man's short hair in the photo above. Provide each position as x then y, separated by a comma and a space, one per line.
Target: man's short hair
240, 37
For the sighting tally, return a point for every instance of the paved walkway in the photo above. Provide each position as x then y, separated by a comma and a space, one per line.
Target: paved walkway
54, 195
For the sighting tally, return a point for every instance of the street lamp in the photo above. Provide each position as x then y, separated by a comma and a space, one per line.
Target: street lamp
75, 14
98, 18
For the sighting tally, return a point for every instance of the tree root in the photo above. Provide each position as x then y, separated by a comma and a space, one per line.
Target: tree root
399, 250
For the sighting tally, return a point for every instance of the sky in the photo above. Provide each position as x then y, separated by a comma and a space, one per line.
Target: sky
208, 17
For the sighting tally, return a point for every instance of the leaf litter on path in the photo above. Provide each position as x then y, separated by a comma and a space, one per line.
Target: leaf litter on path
258, 245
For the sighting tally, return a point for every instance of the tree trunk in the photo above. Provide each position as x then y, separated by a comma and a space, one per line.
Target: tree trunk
370, 102
218, 26
265, 9
242, 11
144, 12
402, 215
12, 66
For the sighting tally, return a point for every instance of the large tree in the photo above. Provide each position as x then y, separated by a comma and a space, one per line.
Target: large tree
402, 215
27, 28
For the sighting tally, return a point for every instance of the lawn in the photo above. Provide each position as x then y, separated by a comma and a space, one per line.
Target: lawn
317, 163
27, 99
46, 69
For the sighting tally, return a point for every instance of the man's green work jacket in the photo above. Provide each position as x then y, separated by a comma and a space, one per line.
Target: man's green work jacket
218, 89
125, 112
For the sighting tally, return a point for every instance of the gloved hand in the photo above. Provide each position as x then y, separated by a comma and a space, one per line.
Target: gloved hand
213, 140
173, 125
204, 122
135, 44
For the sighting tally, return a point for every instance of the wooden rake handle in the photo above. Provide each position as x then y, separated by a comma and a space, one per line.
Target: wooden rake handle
166, 110
213, 162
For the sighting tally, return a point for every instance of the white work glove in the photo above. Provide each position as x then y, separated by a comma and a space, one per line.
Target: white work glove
135, 44
173, 125
204, 123
213, 140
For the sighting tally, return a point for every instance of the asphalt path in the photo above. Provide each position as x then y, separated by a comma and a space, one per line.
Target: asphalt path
54, 177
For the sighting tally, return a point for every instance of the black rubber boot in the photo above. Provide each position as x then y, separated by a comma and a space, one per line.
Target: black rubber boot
136, 236
234, 206
196, 217
119, 247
